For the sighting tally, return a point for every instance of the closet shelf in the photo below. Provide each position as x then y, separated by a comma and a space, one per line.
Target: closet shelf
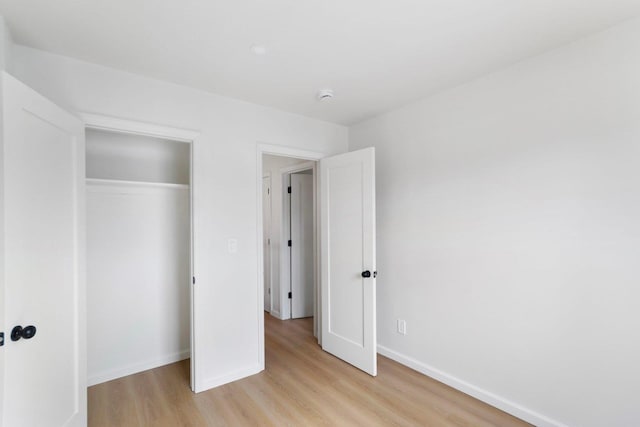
123, 183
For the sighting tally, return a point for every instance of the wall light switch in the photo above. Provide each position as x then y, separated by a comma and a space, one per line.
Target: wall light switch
402, 327
232, 246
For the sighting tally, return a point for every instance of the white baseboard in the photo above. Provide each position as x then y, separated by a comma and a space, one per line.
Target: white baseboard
113, 374
278, 315
227, 378
494, 400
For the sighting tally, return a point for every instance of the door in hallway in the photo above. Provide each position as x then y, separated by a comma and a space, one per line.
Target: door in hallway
302, 252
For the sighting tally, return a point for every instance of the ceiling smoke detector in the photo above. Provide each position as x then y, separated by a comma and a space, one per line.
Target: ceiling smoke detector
259, 49
325, 94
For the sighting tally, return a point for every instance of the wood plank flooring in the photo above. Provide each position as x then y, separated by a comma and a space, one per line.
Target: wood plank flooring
301, 386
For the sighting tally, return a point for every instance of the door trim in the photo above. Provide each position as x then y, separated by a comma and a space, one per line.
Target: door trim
115, 124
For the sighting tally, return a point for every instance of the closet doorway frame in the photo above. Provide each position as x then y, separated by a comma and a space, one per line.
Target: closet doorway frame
132, 127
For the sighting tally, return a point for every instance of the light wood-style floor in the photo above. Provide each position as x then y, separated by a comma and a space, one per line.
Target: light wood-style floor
301, 386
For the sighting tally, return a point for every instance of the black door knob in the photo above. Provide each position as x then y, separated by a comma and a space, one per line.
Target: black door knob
366, 274
19, 332
29, 332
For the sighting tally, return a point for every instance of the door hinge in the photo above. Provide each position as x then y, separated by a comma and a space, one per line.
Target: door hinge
289, 243
268, 241
193, 279
289, 190
268, 191
289, 295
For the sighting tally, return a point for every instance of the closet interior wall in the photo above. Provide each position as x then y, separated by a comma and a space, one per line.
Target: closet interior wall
138, 253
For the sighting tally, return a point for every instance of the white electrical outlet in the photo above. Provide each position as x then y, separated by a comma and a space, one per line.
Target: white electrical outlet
402, 327
232, 246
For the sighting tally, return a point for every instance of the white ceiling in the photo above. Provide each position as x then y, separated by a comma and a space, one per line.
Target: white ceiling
375, 54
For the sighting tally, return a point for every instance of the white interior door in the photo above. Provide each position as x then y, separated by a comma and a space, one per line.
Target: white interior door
266, 240
44, 377
348, 258
302, 245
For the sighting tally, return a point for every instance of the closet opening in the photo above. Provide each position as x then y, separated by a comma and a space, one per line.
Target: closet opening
139, 254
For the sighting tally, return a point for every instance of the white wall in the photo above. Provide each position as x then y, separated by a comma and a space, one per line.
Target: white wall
508, 233
225, 203
6, 46
138, 253
273, 165
112, 155
138, 278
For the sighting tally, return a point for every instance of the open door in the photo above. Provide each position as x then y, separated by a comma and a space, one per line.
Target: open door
348, 258
42, 179
301, 218
266, 240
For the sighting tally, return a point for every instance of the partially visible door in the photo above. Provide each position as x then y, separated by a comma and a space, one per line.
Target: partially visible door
43, 175
302, 245
348, 258
266, 240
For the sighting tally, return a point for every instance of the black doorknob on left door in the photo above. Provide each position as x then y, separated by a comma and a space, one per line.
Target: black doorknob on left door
366, 274
27, 332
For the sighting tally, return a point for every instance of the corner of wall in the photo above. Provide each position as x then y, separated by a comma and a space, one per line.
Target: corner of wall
6, 46
481, 394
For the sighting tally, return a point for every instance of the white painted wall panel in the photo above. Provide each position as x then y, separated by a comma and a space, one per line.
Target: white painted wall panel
508, 233
138, 278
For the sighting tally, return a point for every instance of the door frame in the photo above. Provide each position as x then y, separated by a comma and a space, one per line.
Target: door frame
285, 251
119, 125
284, 151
